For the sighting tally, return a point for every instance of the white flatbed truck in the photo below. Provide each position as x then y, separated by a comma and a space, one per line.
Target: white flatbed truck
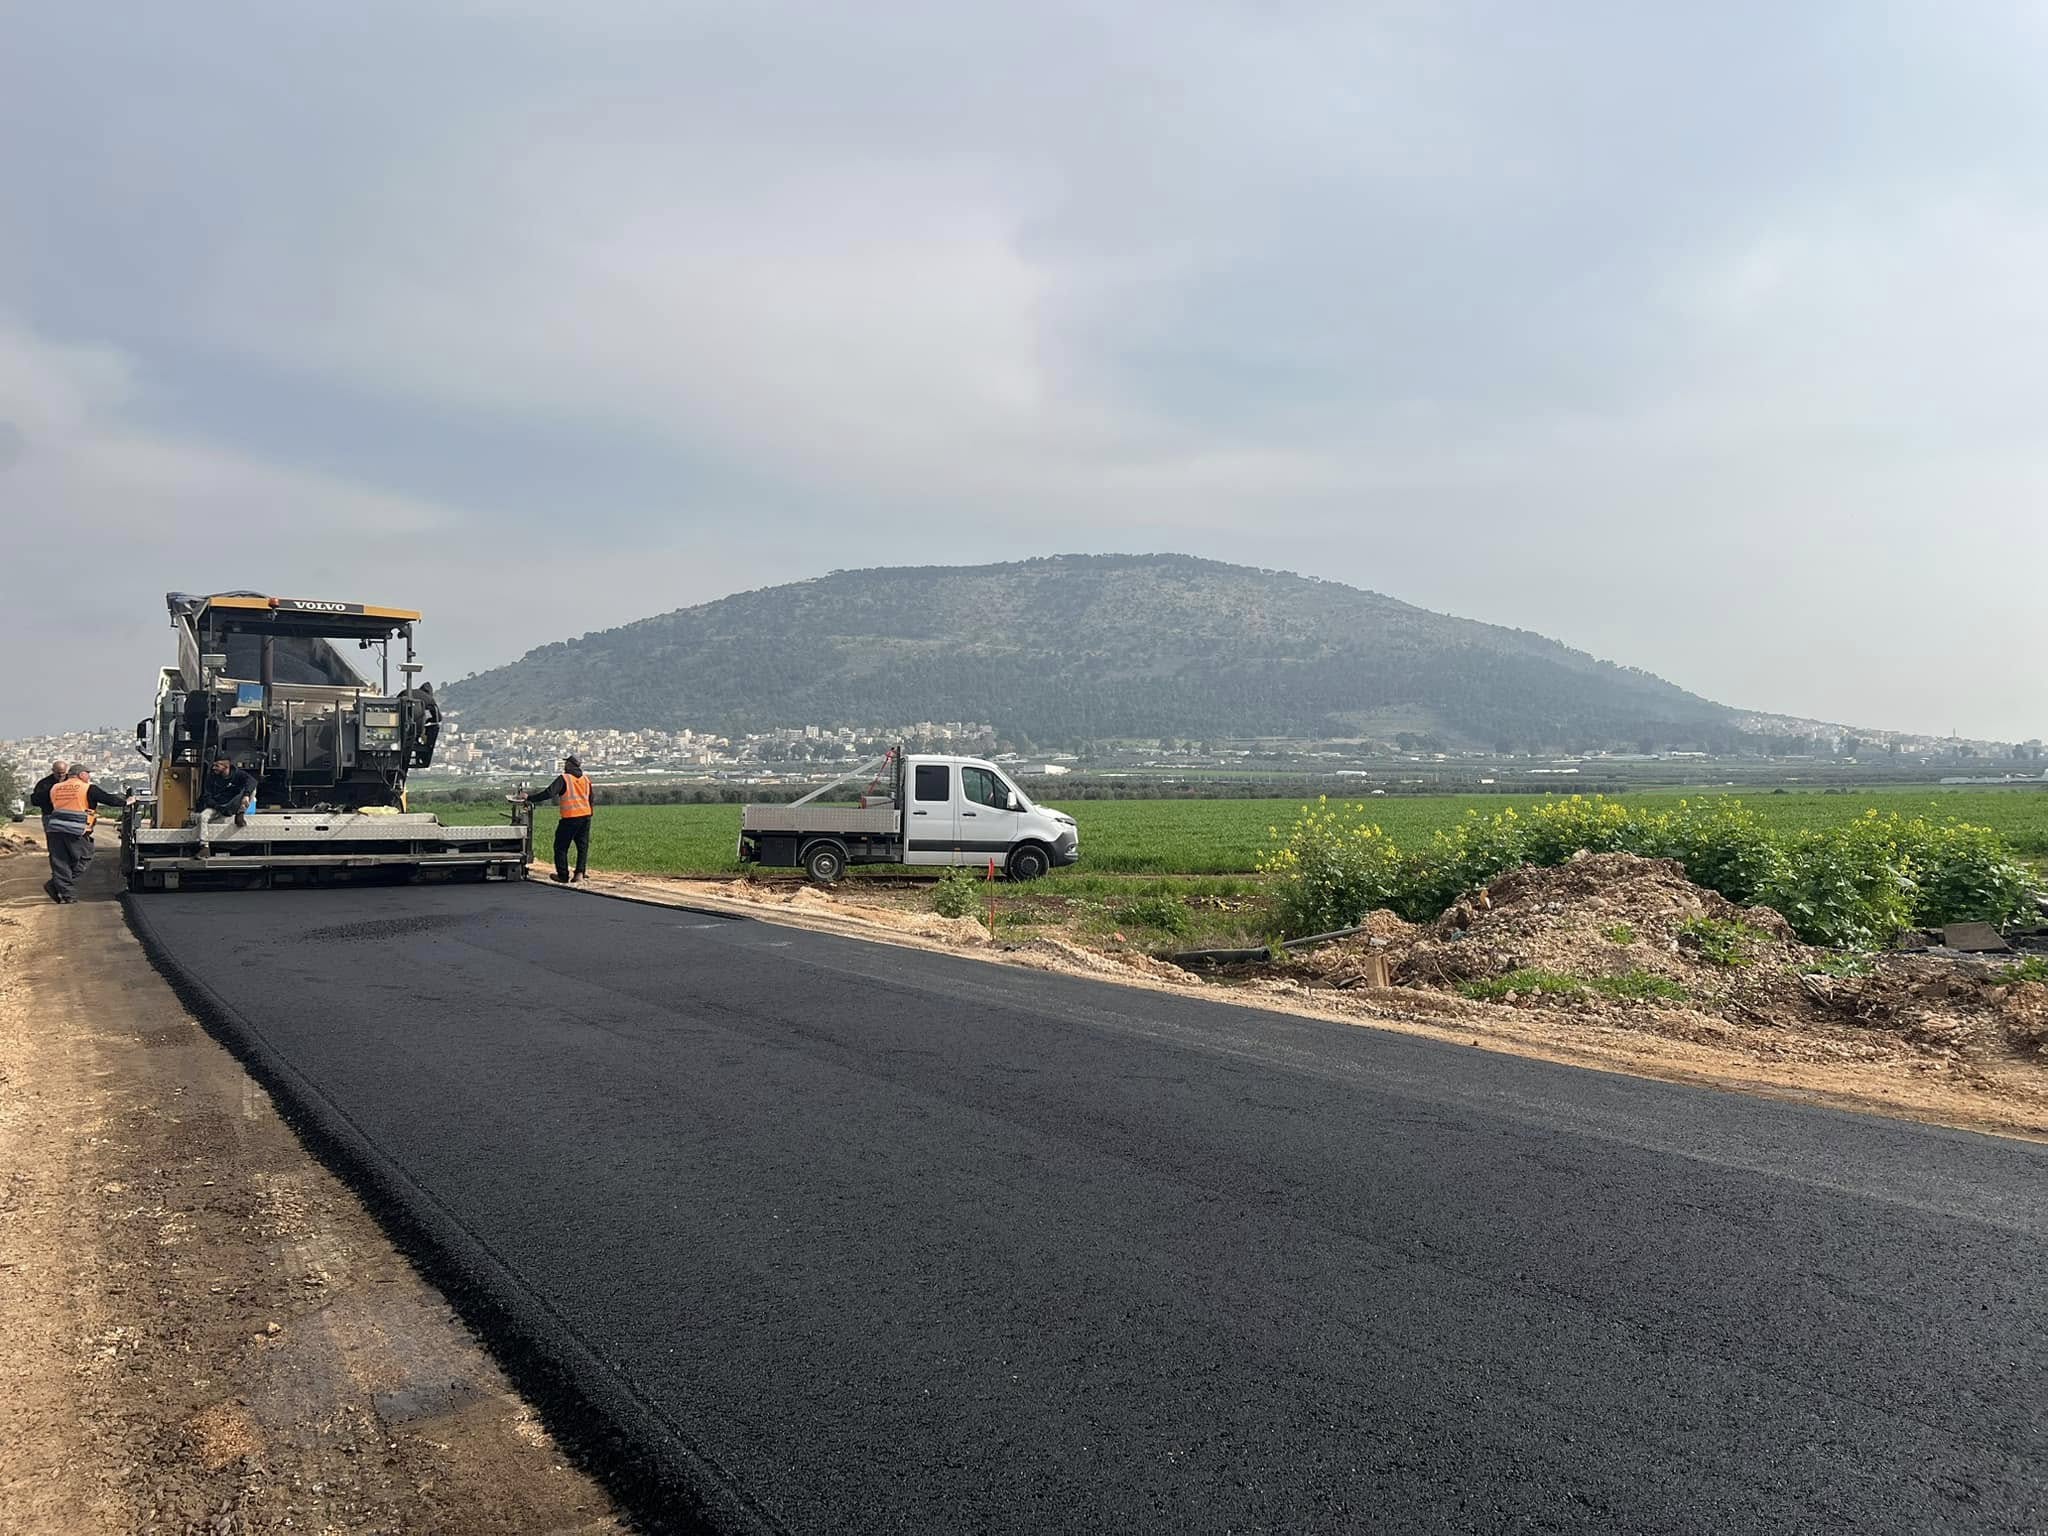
919, 809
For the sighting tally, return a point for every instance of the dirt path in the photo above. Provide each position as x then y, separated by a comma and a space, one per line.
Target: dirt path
202, 1329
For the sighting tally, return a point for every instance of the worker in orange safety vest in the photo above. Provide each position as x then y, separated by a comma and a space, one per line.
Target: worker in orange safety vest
573, 791
74, 811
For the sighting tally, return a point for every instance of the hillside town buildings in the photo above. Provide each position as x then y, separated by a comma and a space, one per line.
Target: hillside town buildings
512, 751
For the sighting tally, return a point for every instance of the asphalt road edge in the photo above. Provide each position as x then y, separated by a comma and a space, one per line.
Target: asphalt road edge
1394, 1021
668, 1486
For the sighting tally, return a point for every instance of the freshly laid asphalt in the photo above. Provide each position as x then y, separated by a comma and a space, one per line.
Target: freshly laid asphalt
840, 1237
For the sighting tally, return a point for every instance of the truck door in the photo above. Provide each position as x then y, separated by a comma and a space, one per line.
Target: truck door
929, 819
987, 825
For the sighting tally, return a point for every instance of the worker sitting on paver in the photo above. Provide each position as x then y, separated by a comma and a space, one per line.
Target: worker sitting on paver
225, 791
74, 805
573, 790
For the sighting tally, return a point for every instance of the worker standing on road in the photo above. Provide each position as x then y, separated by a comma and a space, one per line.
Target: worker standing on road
224, 792
74, 806
39, 797
572, 789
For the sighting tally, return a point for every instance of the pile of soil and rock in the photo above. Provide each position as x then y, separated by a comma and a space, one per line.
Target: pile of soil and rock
1639, 925
12, 843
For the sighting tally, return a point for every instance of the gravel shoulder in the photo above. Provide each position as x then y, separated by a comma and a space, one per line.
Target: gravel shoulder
204, 1330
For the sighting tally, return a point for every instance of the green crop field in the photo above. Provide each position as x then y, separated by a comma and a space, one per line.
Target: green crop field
652, 839
1200, 837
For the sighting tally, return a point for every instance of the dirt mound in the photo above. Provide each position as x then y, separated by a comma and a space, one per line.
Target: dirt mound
1599, 915
12, 843
2024, 1013
1385, 925
1632, 942
1615, 887
1939, 1005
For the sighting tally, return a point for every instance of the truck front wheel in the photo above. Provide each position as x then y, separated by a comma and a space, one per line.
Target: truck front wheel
825, 862
1029, 862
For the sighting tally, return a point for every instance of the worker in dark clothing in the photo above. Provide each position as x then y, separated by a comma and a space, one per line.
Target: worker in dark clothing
39, 797
572, 790
75, 802
225, 791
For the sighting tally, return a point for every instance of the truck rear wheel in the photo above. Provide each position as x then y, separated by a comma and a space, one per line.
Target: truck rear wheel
1029, 862
825, 862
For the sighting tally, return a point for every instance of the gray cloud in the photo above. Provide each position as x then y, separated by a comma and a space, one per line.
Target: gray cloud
1710, 341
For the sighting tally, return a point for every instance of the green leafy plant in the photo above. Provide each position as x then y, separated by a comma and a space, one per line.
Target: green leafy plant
1619, 933
1847, 887
1718, 940
1845, 965
1158, 909
1639, 985
1633, 985
2033, 968
1459, 858
958, 894
1963, 873
1329, 869
1552, 832
1526, 982
1723, 846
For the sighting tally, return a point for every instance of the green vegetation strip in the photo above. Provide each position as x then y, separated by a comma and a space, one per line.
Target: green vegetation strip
1194, 837
1635, 986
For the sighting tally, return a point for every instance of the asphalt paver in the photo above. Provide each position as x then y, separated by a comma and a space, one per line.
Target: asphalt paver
833, 1236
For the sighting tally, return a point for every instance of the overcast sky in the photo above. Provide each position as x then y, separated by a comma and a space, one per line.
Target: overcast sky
1709, 338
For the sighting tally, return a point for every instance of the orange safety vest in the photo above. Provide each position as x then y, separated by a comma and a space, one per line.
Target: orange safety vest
575, 794
73, 797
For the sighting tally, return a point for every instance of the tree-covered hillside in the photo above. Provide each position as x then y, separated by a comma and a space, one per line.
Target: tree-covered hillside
1088, 647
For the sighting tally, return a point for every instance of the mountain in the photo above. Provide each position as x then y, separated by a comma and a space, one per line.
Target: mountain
1089, 647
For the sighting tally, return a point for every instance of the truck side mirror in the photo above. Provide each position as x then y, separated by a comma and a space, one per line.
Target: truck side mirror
142, 737
1015, 803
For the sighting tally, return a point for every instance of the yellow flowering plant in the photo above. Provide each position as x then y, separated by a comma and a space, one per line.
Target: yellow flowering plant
1330, 868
